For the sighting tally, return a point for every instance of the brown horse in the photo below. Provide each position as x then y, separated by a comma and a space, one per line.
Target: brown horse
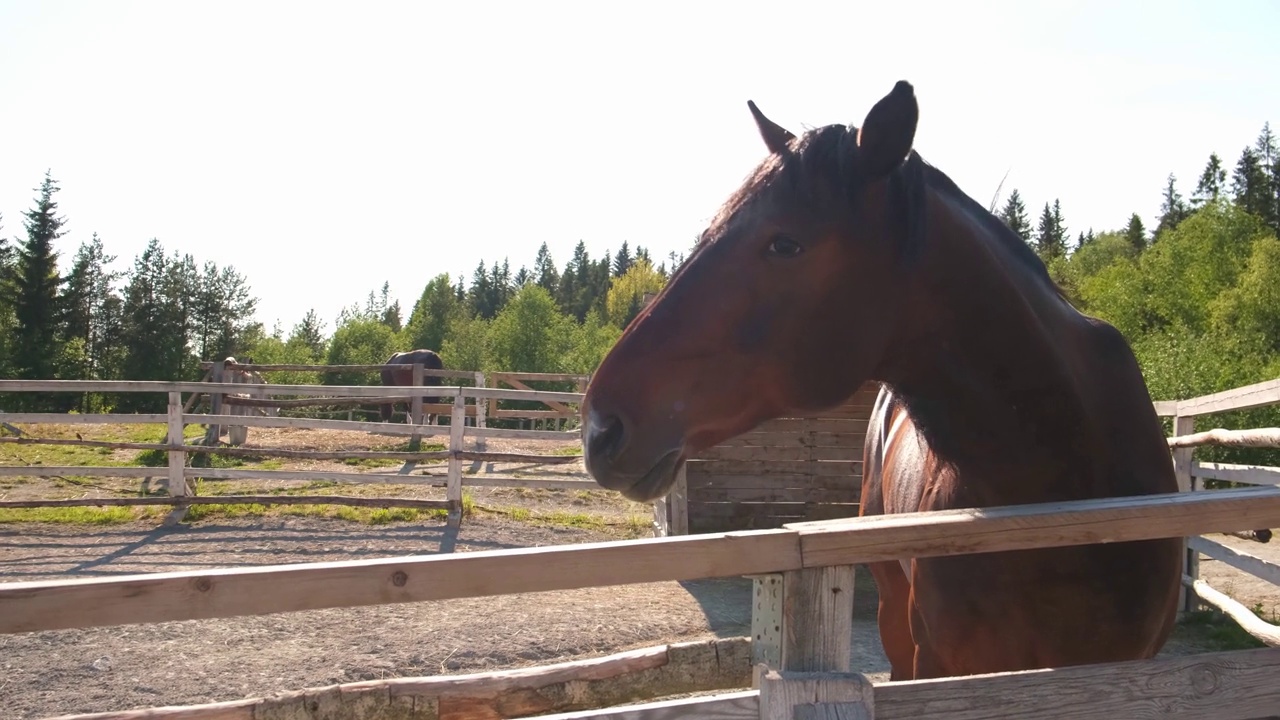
845, 258
404, 376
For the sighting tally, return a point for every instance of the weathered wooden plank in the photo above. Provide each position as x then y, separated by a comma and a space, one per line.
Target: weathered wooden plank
1211, 686
1233, 472
1166, 408
998, 529
1241, 398
318, 424
795, 453
768, 494
779, 481
488, 432
1239, 559
239, 591
797, 438
843, 468
742, 705
816, 695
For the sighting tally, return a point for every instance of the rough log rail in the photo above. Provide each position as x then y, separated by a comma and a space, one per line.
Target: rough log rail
1263, 631
186, 500
230, 592
697, 666
372, 392
303, 454
1259, 437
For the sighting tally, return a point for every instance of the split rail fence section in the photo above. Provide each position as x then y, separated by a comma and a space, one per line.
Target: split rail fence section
803, 669
464, 402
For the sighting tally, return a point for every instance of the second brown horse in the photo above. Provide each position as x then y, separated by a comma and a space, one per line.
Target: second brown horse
844, 258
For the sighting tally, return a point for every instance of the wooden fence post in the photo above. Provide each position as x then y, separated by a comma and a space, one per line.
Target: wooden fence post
815, 696
802, 620
415, 407
1186, 425
481, 412
453, 489
177, 484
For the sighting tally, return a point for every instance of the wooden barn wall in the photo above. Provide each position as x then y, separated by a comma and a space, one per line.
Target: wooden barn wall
784, 470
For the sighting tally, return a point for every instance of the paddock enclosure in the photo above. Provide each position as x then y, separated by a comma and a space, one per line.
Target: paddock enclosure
796, 662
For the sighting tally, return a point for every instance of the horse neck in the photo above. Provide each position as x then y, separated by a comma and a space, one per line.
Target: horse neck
980, 364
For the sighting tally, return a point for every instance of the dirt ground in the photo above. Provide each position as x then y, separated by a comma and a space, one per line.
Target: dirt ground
110, 669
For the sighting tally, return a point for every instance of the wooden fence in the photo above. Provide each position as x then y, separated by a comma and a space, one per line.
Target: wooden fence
803, 669
1191, 476
179, 473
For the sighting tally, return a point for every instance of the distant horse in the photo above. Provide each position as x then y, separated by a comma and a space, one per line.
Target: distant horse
845, 258
238, 434
404, 376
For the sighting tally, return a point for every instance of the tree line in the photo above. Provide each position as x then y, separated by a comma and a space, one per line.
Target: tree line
1198, 296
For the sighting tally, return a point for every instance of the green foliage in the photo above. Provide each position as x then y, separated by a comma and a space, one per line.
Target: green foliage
360, 341
530, 334
626, 296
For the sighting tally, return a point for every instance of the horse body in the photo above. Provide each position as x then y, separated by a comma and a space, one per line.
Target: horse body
404, 376
845, 258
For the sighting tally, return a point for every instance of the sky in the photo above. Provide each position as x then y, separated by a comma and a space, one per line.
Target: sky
324, 148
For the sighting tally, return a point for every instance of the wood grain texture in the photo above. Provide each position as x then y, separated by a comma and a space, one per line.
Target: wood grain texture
1217, 686
1235, 472
231, 592
593, 683
816, 696
892, 537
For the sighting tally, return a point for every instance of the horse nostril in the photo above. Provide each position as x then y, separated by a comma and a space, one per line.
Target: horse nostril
605, 439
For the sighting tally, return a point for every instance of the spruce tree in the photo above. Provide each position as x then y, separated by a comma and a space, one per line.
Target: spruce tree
1014, 215
33, 289
1135, 233
1212, 181
1172, 209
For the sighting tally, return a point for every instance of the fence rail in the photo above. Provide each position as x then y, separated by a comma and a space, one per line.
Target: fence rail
464, 402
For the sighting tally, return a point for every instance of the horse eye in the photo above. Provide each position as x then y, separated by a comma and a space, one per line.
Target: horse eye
783, 246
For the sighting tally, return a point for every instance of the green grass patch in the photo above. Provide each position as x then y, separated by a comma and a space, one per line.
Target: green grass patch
568, 450
1216, 631
80, 515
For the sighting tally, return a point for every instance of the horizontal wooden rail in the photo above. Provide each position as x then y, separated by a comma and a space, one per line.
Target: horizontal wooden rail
1238, 559
185, 500
1208, 686
162, 597
266, 367
1258, 628
1256, 437
1232, 472
696, 666
373, 392
1242, 398
250, 451
303, 423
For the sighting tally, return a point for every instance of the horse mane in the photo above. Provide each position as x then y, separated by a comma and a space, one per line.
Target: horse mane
821, 167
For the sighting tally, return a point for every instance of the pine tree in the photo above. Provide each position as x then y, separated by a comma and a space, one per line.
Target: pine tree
1268, 160
544, 271
1014, 216
34, 289
309, 333
1172, 209
90, 312
1135, 233
622, 261
1249, 185
1212, 181
1051, 234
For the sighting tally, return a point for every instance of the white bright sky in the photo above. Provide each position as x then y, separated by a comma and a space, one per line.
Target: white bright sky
322, 148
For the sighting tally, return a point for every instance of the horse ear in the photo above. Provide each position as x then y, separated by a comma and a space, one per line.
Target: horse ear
776, 137
887, 134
